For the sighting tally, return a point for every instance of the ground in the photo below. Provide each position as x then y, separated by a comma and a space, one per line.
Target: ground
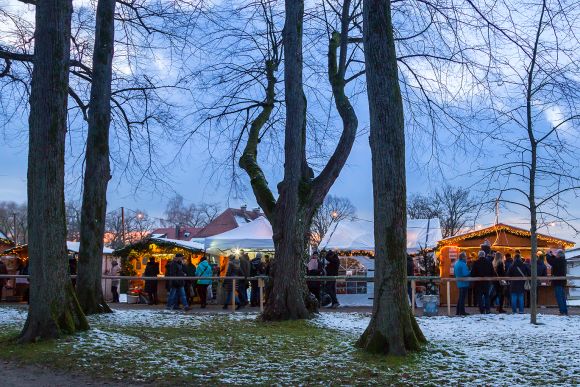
144, 346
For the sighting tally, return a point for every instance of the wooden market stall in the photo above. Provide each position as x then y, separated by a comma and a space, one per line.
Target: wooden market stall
134, 258
503, 238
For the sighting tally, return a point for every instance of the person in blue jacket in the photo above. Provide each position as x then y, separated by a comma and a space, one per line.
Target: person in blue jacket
204, 269
461, 270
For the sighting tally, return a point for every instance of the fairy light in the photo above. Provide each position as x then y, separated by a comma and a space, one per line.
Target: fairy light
509, 229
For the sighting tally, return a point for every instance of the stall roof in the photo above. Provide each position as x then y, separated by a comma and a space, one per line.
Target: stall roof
359, 235
192, 246
72, 247
256, 235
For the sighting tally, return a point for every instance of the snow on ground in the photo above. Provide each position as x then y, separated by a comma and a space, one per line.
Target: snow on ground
12, 316
162, 318
499, 349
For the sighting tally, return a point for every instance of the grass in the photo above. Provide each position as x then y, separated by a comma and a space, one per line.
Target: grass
167, 348
217, 350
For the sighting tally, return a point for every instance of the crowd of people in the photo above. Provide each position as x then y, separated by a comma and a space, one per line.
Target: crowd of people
500, 292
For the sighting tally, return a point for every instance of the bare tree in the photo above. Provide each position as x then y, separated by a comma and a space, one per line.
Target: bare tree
73, 221
535, 115
177, 213
393, 329
333, 210
453, 206
138, 225
54, 309
13, 221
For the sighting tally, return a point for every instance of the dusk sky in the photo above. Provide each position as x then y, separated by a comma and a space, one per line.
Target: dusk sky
191, 176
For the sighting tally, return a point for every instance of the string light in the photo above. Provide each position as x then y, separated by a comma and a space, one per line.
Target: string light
503, 227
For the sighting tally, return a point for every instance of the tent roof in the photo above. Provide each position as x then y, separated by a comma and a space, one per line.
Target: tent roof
75, 247
359, 235
256, 234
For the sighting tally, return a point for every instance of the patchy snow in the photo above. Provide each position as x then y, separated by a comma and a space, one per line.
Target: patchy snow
162, 318
12, 316
490, 349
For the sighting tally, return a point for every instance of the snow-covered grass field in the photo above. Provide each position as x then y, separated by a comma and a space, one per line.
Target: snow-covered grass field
172, 348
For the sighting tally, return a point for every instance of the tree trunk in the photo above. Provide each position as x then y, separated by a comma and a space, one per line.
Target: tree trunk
288, 289
393, 329
97, 170
54, 308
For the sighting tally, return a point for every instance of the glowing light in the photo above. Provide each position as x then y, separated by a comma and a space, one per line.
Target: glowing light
334, 214
237, 251
552, 224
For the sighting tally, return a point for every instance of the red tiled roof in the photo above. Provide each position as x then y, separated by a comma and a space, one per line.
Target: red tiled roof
170, 232
228, 220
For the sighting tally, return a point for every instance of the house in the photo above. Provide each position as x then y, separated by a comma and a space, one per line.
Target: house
228, 220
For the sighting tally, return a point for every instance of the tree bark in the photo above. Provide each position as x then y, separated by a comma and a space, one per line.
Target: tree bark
393, 329
97, 169
54, 308
299, 194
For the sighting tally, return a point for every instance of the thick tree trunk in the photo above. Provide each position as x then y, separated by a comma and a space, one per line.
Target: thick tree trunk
287, 296
97, 170
393, 329
53, 305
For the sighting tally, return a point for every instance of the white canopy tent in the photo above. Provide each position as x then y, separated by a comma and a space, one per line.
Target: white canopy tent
255, 235
359, 235
74, 247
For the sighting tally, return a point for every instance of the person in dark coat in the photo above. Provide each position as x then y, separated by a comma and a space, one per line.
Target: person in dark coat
410, 273
314, 269
3, 270
233, 270
245, 271
332, 270
256, 269
559, 269
177, 291
72, 269
189, 269
498, 287
517, 287
151, 270
482, 268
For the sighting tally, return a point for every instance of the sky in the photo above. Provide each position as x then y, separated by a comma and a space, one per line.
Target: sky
189, 176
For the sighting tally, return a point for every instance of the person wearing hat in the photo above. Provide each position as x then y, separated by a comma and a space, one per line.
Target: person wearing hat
559, 269
151, 270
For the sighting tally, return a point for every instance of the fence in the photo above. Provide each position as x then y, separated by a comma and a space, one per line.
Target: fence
261, 282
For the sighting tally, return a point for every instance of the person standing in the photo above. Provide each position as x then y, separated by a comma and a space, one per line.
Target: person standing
559, 269
189, 270
410, 273
245, 269
204, 269
3, 270
332, 270
498, 286
517, 287
115, 272
177, 285
482, 268
151, 270
256, 269
314, 270
233, 270
460, 270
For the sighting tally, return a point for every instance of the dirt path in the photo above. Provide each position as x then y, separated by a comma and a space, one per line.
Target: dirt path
14, 374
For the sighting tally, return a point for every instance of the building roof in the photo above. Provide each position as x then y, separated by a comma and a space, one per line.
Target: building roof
359, 235
5, 240
228, 220
184, 233
144, 244
501, 229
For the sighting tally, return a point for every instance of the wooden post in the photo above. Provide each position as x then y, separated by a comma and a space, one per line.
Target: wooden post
261, 286
413, 295
233, 295
448, 298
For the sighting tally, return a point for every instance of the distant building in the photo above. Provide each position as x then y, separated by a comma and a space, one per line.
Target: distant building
228, 220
